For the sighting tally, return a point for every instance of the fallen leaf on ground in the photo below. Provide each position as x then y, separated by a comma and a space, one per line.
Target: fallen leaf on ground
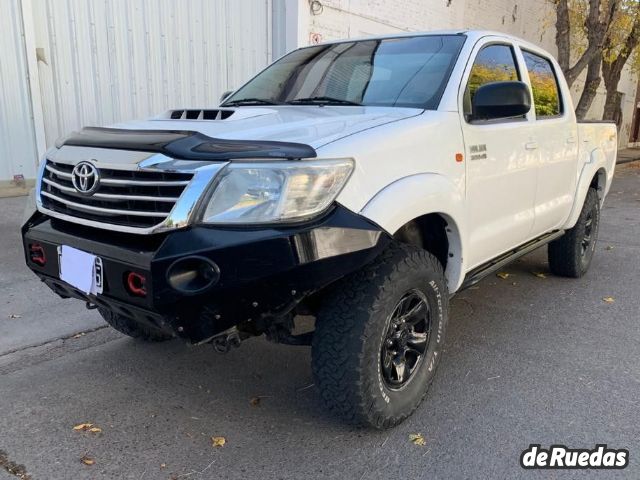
78, 335
87, 460
609, 299
83, 426
163, 465
417, 439
609, 247
539, 274
503, 275
218, 441
95, 430
254, 401
14, 315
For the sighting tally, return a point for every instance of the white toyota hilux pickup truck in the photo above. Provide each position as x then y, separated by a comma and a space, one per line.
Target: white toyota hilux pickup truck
359, 182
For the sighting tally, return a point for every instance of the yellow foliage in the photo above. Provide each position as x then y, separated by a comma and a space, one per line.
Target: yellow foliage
626, 14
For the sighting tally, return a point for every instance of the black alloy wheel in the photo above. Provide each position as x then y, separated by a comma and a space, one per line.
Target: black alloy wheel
406, 339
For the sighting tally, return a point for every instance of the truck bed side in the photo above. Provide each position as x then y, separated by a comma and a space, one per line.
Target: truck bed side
597, 154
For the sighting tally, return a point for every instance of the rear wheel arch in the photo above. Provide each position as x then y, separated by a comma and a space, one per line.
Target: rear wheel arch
593, 175
599, 182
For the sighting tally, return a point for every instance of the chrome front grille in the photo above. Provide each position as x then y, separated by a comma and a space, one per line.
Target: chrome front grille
136, 199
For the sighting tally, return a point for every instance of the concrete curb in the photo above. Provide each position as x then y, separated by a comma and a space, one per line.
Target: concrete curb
627, 155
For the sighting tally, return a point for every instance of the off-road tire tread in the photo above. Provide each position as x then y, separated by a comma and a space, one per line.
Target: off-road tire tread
564, 254
342, 325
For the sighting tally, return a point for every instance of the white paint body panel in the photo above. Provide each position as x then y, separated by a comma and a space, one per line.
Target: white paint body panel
406, 166
315, 126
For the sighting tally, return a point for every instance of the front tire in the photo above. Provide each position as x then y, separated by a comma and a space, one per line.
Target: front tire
571, 254
379, 337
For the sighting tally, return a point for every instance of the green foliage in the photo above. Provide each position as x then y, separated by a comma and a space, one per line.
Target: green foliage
623, 22
627, 13
545, 94
483, 73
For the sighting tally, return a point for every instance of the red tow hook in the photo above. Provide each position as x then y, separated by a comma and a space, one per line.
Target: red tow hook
136, 284
37, 255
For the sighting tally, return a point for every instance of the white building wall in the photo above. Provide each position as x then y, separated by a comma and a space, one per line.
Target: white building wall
17, 137
532, 20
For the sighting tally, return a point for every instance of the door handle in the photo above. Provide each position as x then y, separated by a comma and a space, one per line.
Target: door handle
531, 145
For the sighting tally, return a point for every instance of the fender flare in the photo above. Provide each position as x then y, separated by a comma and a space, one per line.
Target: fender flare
416, 195
596, 165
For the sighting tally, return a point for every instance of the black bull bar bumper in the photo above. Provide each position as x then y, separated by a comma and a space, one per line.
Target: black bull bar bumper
253, 274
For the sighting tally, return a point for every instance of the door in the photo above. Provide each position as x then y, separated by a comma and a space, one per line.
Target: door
502, 157
556, 131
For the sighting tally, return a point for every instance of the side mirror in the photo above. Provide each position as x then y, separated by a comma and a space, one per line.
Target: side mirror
225, 95
501, 100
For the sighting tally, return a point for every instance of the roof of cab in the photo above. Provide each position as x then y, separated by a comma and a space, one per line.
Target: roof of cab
472, 35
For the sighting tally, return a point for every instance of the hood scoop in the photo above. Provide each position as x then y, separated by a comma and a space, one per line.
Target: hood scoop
211, 114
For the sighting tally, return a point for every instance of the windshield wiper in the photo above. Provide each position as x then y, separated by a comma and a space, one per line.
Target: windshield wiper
322, 100
249, 101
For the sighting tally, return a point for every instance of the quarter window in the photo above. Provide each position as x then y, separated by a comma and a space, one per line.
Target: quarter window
544, 84
494, 63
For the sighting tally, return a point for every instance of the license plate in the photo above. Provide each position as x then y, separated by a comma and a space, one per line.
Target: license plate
81, 270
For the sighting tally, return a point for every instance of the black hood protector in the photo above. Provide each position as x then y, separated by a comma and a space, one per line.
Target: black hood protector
185, 144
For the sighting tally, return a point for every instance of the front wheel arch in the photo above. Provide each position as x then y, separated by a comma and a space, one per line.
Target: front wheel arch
438, 234
417, 196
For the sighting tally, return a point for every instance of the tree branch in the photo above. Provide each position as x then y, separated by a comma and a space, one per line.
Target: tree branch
612, 70
597, 27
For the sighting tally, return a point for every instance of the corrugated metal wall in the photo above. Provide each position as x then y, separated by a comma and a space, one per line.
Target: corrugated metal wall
17, 140
106, 61
110, 60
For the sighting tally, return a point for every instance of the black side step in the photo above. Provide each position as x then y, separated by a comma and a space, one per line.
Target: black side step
478, 273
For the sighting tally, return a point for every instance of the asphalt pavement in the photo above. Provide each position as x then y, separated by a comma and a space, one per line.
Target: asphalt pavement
529, 358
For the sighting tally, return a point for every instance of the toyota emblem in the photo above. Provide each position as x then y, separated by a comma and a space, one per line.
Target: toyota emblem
85, 178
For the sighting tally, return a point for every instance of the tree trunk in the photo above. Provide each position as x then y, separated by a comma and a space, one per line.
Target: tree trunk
613, 108
597, 26
611, 73
563, 34
590, 90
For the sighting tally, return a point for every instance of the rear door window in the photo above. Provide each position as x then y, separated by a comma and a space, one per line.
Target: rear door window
544, 83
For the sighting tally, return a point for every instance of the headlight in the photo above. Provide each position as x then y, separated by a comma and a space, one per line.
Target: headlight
272, 192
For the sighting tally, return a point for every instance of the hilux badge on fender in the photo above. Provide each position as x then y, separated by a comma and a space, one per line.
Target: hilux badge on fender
85, 178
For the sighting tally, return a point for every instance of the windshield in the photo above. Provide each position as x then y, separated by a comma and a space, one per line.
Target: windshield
392, 72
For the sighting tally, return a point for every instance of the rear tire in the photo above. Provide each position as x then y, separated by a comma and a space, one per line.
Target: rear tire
379, 336
133, 329
571, 254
